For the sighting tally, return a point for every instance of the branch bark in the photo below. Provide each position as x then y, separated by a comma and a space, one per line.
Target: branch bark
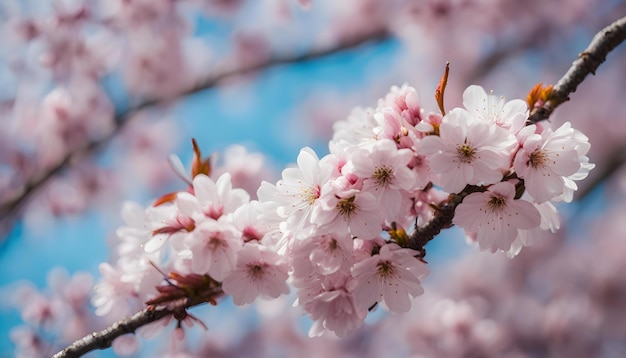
179, 293
104, 338
587, 62
11, 208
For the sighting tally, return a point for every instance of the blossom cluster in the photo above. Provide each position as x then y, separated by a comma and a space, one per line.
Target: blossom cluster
335, 228
52, 316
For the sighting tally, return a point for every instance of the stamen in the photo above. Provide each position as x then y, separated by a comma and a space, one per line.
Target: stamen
383, 176
465, 153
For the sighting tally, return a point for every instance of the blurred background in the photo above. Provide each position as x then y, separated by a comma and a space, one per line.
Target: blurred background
94, 96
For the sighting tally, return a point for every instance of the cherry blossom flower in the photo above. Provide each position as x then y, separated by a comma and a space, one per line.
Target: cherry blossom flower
247, 220
549, 161
550, 223
390, 276
357, 128
320, 264
259, 272
509, 115
212, 248
247, 169
298, 191
167, 223
495, 216
467, 152
211, 199
113, 292
391, 125
405, 101
386, 174
384, 167
356, 211
335, 311
324, 253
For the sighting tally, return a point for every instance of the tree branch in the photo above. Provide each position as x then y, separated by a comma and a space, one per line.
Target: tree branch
10, 208
104, 338
179, 293
587, 62
442, 220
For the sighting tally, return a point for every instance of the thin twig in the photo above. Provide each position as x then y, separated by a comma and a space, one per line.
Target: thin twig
10, 209
587, 62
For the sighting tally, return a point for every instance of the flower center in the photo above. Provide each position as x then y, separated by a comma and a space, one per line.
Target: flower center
537, 159
383, 176
496, 203
465, 153
214, 211
255, 270
385, 268
332, 245
215, 243
310, 194
347, 207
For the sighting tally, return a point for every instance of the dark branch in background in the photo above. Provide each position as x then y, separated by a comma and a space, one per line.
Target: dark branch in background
11, 208
587, 62
522, 42
616, 159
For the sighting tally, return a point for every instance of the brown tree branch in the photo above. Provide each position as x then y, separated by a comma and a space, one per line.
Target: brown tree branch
587, 62
104, 338
11, 208
179, 293
616, 159
442, 220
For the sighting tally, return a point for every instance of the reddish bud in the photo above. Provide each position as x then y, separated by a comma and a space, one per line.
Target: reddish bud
199, 166
441, 88
166, 198
538, 95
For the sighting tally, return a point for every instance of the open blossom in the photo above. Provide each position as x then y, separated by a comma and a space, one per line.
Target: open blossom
550, 160
549, 223
335, 311
259, 272
495, 216
467, 151
353, 210
487, 107
386, 174
212, 248
390, 276
211, 199
324, 254
247, 169
298, 191
357, 128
